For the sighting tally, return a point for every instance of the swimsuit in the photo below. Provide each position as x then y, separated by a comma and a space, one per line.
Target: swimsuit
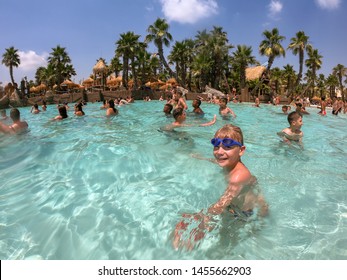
239, 214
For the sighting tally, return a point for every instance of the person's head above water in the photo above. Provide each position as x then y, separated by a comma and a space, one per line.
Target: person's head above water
230, 131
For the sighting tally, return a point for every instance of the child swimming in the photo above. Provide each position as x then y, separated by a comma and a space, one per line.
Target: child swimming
241, 196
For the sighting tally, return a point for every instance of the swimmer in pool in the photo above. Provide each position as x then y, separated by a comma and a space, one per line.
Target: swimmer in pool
196, 107
285, 109
18, 126
293, 132
180, 116
323, 106
111, 111
241, 196
224, 110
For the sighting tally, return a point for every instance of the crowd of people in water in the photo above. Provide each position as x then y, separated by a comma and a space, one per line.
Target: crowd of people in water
242, 197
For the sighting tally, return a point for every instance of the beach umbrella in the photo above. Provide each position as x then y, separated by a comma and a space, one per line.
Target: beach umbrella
88, 82
33, 89
113, 81
69, 84
171, 81
41, 87
253, 73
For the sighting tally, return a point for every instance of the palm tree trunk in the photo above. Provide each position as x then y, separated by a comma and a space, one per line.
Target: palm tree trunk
11, 75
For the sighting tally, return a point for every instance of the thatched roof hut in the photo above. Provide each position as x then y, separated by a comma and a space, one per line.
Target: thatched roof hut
253, 73
88, 82
100, 67
69, 84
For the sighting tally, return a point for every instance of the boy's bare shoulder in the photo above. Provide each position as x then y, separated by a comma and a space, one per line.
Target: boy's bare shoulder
241, 176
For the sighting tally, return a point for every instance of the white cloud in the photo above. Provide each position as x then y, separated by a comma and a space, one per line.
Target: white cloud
188, 11
30, 60
275, 8
149, 8
328, 4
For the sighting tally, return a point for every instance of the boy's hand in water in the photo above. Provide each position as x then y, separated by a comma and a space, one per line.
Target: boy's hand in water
195, 235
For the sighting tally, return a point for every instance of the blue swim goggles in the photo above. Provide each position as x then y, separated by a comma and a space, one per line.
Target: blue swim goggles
227, 142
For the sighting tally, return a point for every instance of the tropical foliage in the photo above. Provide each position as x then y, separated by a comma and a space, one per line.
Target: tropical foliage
207, 59
11, 59
59, 68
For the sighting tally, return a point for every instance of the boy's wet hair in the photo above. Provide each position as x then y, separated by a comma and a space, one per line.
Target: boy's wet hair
62, 111
293, 116
177, 112
230, 131
15, 114
198, 101
224, 100
168, 105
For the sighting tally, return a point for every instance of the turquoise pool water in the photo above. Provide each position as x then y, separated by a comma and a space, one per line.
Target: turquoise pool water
92, 188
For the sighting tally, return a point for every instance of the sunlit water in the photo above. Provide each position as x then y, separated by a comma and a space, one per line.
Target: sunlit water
92, 188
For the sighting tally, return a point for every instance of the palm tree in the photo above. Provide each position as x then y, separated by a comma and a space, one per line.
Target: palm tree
40, 75
321, 85
243, 57
60, 62
11, 59
332, 82
144, 65
158, 33
126, 46
314, 63
177, 57
340, 71
189, 54
45, 75
215, 47
115, 65
289, 75
200, 70
276, 79
298, 45
271, 46
182, 56
219, 53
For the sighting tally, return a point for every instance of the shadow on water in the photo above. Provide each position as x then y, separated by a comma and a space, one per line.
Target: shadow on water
182, 138
292, 151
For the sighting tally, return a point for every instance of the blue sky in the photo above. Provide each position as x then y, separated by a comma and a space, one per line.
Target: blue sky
89, 29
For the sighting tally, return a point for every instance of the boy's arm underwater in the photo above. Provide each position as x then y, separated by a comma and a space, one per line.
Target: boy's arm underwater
283, 136
205, 221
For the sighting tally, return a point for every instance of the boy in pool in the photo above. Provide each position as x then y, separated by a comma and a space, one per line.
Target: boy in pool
293, 132
167, 109
241, 197
285, 109
196, 107
18, 126
180, 116
224, 110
